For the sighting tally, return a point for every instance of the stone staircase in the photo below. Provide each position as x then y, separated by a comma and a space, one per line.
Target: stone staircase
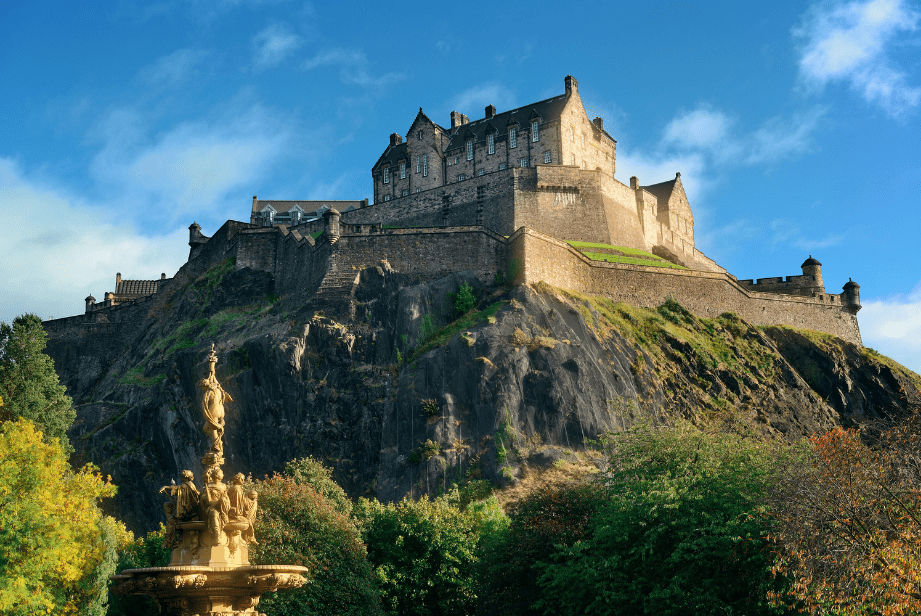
338, 286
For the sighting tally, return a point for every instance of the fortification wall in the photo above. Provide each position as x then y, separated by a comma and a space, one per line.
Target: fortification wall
707, 294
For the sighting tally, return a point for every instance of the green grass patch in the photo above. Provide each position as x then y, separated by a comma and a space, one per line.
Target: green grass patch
316, 234
135, 376
441, 336
630, 256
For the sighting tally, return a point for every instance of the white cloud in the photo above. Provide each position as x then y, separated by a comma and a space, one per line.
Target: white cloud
850, 41
661, 167
473, 100
193, 167
273, 44
173, 68
353, 68
702, 128
892, 326
75, 250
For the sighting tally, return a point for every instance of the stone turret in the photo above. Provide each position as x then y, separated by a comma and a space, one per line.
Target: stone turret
851, 296
331, 216
813, 269
196, 240
90, 303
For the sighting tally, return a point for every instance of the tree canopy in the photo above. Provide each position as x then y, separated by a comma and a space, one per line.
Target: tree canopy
50, 527
29, 386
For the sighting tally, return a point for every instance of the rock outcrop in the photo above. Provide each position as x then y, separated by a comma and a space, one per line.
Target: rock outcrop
402, 396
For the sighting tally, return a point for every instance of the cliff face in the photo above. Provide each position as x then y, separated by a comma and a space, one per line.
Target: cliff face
403, 398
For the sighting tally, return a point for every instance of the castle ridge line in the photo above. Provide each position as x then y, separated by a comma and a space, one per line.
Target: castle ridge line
511, 186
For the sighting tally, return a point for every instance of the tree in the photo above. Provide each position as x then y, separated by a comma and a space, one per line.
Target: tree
683, 531
297, 525
849, 519
29, 385
141, 553
424, 554
50, 526
548, 517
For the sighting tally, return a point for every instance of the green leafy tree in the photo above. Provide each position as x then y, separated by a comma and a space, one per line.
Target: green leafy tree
297, 525
545, 519
424, 553
310, 471
464, 299
52, 546
684, 531
29, 385
140, 553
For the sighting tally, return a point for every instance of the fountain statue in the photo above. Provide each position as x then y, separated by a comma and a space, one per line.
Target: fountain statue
210, 531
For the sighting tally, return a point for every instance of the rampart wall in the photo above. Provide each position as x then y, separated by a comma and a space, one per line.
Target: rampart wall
707, 294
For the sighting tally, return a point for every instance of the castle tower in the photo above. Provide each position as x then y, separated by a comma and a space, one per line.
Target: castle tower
813, 269
196, 239
851, 296
332, 216
90, 303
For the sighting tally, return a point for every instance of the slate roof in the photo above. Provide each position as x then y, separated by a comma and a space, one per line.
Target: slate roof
394, 154
662, 191
283, 206
137, 287
546, 110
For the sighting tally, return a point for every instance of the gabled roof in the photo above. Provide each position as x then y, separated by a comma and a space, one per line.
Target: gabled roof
307, 207
137, 287
421, 116
546, 110
661, 191
392, 155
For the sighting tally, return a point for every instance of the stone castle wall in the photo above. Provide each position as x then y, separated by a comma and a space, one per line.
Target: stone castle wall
706, 294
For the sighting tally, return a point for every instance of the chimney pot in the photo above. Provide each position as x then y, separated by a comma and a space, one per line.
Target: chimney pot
395, 139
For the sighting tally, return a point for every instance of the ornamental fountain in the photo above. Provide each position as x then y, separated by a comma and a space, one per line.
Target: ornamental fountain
210, 532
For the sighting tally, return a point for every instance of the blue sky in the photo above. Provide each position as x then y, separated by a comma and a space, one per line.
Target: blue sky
795, 126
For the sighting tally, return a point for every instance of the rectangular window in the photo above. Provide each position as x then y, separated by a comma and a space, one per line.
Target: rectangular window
548, 157
455, 160
418, 190
402, 169
583, 138
480, 171
491, 139
418, 164
523, 162
425, 165
535, 133
512, 138
470, 150
501, 166
386, 197
420, 135
573, 159
405, 192
386, 175
461, 177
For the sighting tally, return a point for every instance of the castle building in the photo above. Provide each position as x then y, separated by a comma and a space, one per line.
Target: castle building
512, 195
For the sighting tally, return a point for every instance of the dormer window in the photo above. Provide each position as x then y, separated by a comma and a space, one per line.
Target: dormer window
512, 138
470, 150
491, 143
535, 132
386, 175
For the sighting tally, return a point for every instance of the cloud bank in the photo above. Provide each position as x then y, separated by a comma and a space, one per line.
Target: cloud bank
892, 326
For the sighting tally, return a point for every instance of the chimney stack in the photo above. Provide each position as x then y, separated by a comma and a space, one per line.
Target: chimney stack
571, 84
490, 111
395, 139
634, 183
599, 123
458, 119
118, 277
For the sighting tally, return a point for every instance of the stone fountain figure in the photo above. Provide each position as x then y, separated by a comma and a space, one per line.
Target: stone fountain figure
210, 532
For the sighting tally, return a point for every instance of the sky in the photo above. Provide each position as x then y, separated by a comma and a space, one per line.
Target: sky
796, 127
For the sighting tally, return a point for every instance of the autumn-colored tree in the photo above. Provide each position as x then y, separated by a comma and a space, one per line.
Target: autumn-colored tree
850, 523
50, 527
29, 385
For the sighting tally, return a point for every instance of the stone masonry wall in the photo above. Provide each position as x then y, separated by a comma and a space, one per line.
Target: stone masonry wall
707, 294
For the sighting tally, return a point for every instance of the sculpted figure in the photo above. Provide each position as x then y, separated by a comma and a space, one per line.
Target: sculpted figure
212, 404
236, 498
249, 511
215, 506
182, 507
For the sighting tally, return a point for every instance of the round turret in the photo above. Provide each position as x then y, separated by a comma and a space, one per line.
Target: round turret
90, 303
332, 216
813, 269
851, 295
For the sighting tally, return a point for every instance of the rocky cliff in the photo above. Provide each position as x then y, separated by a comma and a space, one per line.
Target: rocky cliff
403, 396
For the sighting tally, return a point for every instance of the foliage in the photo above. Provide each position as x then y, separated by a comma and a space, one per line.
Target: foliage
427, 450
464, 300
443, 335
850, 523
139, 553
424, 553
548, 517
430, 407
312, 472
28, 383
92, 592
296, 524
683, 533
427, 329
50, 526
